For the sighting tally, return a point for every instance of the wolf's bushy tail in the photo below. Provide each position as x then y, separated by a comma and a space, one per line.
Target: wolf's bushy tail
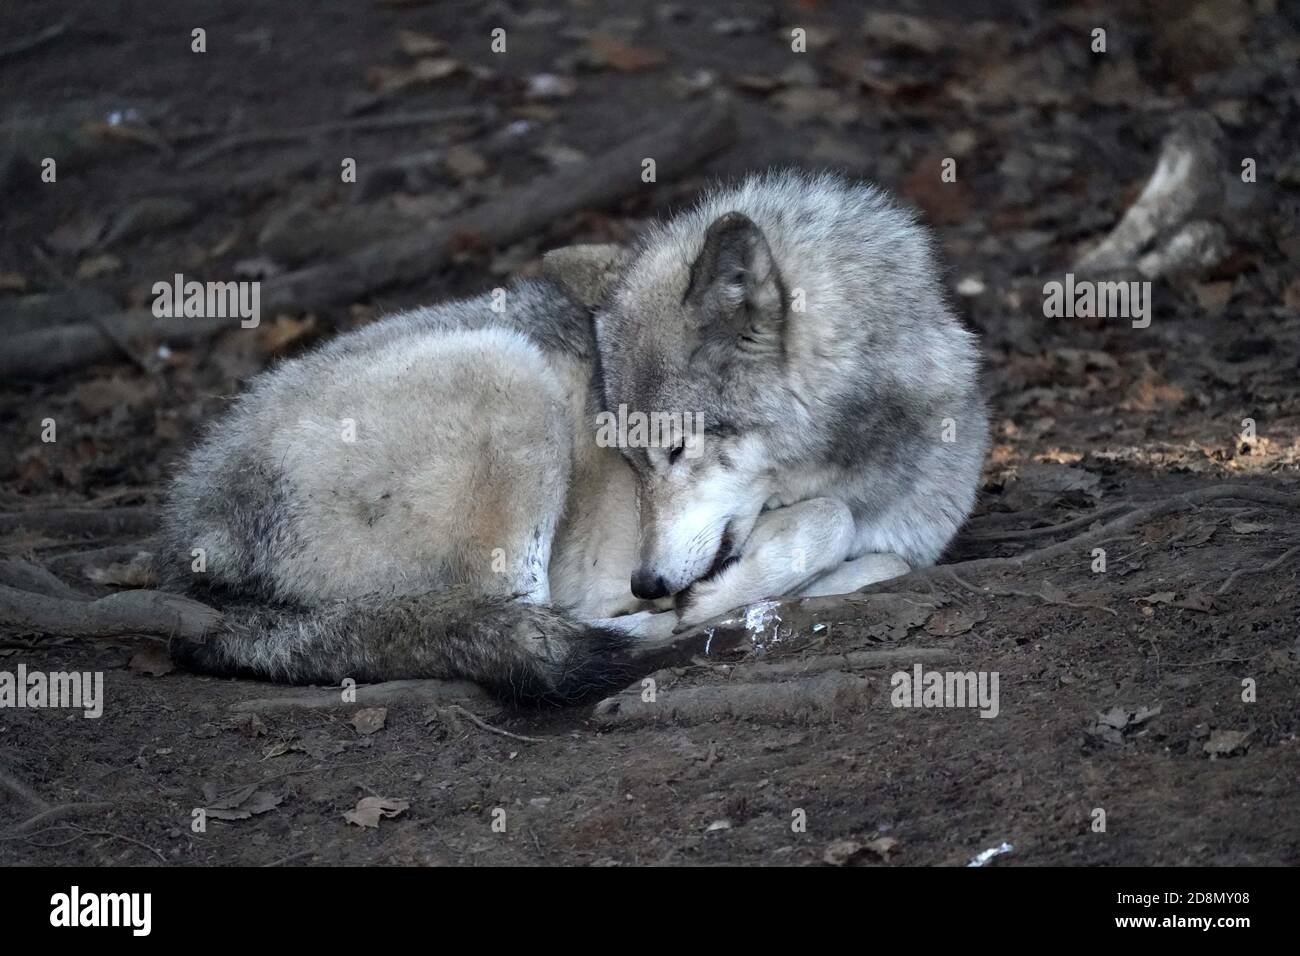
526, 652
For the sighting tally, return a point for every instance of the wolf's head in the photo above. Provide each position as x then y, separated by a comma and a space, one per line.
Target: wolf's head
691, 347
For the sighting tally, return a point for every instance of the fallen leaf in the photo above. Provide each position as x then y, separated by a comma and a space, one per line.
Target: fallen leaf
849, 852
549, 86
424, 71
1249, 527
370, 810
755, 82
1224, 743
1213, 296
804, 103
622, 56
950, 622
465, 163
12, 282
370, 719
883, 847
134, 574
75, 237
841, 852
97, 266
892, 616
276, 336
151, 660
250, 725
942, 202
904, 32
1160, 597
1291, 297
241, 804
1111, 725
414, 43
132, 133
258, 267
1197, 601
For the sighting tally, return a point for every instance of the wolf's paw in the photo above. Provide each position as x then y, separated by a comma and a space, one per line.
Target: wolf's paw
641, 624
705, 600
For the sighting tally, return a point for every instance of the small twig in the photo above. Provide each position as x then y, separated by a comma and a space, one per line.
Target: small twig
1026, 534
1272, 565
1010, 592
56, 813
21, 790
290, 858
484, 725
119, 836
35, 41
1215, 660
361, 124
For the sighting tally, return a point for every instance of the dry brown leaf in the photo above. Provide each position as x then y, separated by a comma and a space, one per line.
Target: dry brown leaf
950, 622
414, 43
464, 162
276, 336
1160, 597
75, 237
1197, 601
97, 266
12, 282
242, 803
131, 574
1224, 743
942, 202
426, 70
368, 720
151, 660
622, 56
370, 810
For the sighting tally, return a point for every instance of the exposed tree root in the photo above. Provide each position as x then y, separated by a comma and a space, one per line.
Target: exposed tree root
24, 576
1110, 529
739, 701
361, 124
80, 522
441, 693
1271, 566
129, 612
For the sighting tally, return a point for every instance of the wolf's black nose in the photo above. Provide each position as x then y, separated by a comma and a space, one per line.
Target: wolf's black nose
648, 586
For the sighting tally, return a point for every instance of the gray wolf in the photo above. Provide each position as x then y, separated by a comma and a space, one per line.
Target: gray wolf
430, 496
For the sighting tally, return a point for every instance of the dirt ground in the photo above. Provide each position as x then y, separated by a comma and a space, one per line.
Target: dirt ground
1161, 690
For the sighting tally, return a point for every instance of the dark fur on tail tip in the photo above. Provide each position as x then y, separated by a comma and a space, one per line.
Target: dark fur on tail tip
525, 653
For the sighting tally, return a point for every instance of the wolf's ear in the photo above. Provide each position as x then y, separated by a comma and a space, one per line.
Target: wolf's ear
587, 272
735, 281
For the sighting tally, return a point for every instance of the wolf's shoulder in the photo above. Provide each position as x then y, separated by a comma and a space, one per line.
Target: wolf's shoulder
538, 309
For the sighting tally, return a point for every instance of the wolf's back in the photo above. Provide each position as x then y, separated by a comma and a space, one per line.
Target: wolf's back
525, 652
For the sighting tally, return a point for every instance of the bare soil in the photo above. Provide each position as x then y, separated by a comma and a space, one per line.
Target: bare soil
1126, 690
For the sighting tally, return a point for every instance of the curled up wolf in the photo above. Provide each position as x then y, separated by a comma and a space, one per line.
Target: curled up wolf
431, 496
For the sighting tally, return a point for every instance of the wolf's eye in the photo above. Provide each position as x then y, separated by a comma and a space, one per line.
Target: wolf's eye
676, 452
